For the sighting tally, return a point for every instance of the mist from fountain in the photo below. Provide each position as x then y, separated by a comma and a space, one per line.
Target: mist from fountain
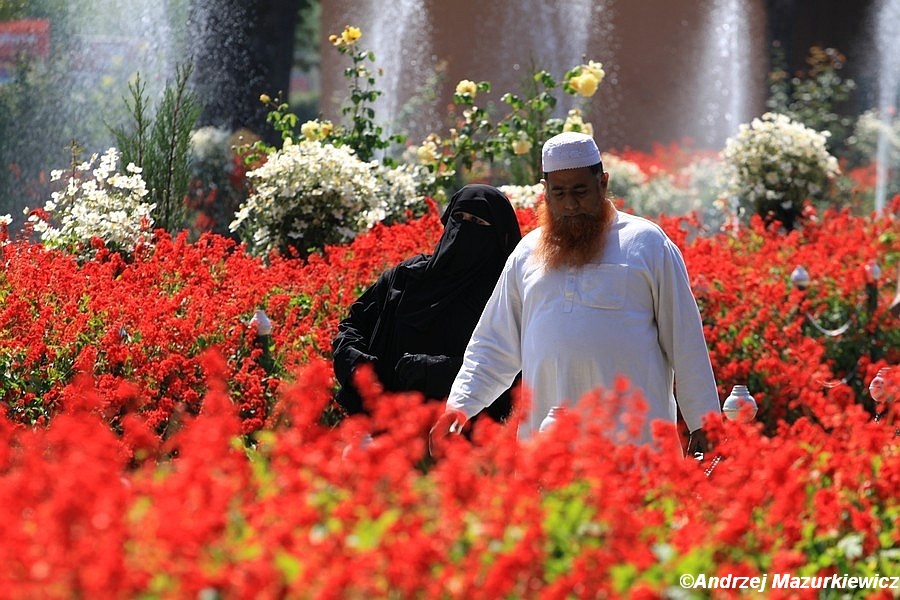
561, 35
887, 39
566, 28
77, 93
722, 101
398, 34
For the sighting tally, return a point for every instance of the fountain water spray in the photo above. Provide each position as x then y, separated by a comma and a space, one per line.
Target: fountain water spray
398, 34
887, 34
723, 89
76, 92
561, 34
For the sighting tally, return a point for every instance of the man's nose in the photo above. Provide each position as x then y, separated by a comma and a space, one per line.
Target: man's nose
569, 201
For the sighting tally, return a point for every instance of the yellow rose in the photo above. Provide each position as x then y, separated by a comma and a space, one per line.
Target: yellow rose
466, 87
310, 130
350, 35
427, 153
335, 40
585, 84
327, 127
596, 69
264, 98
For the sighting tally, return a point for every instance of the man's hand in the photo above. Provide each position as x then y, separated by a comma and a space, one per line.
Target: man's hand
451, 422
697, 443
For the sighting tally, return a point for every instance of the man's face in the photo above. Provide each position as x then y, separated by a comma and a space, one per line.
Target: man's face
575, 218
575, 192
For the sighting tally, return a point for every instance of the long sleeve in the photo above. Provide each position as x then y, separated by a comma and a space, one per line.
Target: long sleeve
355, 332
493, 356
682, 341
351, 345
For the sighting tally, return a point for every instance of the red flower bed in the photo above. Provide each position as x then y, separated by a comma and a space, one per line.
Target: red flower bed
138, 327
154, 449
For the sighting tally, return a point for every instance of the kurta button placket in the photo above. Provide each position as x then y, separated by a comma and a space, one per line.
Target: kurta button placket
570, 290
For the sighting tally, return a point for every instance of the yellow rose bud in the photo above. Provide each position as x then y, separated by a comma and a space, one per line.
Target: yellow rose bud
351, 34
264, 98
585, 84
466, 87
334, 39
327, 127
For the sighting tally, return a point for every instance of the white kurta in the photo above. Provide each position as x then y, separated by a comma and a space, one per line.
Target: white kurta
570, 331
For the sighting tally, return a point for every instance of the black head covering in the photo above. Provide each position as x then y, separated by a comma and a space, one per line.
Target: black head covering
467, 260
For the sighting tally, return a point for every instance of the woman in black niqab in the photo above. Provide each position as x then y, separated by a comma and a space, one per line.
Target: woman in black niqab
414, 323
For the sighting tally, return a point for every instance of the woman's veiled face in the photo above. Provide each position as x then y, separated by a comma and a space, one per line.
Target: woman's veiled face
483, 211
467, 216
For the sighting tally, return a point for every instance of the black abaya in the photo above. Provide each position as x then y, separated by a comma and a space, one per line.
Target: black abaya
414, 323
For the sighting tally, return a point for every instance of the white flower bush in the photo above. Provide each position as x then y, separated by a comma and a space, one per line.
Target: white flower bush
869, 129
309, 194
399, 194
774, 164
659, 195
625, 177
96, 202
523, 196
701, 185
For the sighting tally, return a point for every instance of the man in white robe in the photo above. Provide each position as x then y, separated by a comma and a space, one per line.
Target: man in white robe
591, 295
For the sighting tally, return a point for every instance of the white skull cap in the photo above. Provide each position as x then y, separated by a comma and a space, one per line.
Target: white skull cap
569, 150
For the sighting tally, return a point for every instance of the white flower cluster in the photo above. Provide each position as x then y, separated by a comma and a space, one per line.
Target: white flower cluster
105, 204
398, 193
701, 181
5, 222
523, 196
775, 161
309, 194
625, 176
869, 129
210, 144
